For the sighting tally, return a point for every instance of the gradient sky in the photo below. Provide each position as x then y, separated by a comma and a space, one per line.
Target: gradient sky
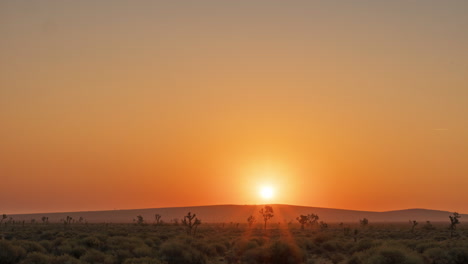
136, 104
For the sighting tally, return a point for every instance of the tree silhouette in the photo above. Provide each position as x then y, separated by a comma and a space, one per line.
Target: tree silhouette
67, 220
355, 235
251, 220
454, 222
313, 218
267, 213
191, 222
195, 225
139, 220
364, 222
45, 220
346, 231
428, 226
414, 223
323, 225
157, 219
302, 219
4, 216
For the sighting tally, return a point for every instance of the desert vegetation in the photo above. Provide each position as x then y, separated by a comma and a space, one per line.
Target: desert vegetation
250, 242
266, 212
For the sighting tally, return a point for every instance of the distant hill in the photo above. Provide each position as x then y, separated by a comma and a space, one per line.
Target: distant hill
239, 213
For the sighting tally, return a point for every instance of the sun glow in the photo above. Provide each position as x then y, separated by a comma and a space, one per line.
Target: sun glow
267, 192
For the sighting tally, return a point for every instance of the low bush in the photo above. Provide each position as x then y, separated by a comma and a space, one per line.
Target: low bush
392, 255
93, 256
10, 254
143, 251
458, 255
174, 252
285, 253
37, 258
146, 260
168, 244
437, 255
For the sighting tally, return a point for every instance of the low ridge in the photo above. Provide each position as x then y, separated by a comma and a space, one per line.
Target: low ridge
239, 214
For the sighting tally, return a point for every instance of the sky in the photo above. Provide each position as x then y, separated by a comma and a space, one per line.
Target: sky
139, 104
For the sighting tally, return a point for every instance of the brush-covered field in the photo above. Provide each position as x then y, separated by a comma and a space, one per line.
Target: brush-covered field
232, 243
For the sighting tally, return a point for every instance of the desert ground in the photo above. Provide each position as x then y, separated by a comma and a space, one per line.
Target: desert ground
189, 239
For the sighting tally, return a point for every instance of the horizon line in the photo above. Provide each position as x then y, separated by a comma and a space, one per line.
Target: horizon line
276, 204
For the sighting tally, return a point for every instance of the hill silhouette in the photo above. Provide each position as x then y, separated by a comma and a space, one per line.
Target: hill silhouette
240, 213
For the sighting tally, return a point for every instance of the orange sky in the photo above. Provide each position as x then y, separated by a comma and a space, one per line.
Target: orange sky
134, 104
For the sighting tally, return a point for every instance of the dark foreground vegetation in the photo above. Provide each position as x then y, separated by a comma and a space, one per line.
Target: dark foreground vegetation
362, 242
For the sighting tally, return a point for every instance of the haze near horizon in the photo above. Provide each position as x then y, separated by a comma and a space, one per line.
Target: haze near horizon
136, 104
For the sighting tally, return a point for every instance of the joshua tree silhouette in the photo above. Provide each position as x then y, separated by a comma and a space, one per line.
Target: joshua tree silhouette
139, 220
251, 220
414, 223
267, 213
191, 222
302, 219
157, 219
454, 222
364, 222
313, 219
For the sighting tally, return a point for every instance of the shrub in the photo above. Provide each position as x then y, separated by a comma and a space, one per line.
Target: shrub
10, 253
145, 260
437, 255
177, 253
329, 246
156, 242
354, 260
31, 246
66, 259
285, 253
48, 235
149, 242
422, 247
77, 252
243, 245
260, 241
143, 251
93, 256
122, 254
207, 249
388, 256
321, 238
37, 258
393, 255
92, 242
220, 248
255, 256
362, 245
458, 255
47, 245
58, 241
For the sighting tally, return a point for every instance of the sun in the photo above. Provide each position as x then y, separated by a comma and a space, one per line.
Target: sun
267, 192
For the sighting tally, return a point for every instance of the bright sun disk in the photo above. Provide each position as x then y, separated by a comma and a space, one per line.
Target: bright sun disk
266, 192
